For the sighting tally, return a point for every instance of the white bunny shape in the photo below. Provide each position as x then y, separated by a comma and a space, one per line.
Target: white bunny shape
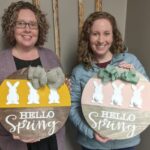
117, 97
12, 97
136, 100
33, 97
53, 96
97, 95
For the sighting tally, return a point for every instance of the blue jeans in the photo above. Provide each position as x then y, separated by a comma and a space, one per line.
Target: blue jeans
128, 148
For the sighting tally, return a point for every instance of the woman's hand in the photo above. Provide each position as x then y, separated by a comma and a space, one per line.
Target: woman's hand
29, 140
99, 138
126, 65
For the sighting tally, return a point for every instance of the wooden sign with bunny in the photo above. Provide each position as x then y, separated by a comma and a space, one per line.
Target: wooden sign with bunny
116, 103
29, 112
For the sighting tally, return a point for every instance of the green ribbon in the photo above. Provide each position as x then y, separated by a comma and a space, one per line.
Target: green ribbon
111, 73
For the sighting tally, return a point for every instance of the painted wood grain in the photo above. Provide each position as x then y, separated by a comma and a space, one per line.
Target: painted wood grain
36, 120
80, 15
117, 109
98, 5
36, 3
56, 27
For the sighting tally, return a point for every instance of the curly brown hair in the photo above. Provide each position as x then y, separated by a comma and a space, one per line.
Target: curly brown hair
85, 53
10, 17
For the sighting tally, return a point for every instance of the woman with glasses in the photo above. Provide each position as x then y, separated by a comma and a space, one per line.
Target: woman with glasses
25, 27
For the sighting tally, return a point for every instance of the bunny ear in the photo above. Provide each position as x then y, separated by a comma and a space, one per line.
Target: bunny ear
113, 84
133, 87
100, 85
141, 88
16, 84
9, 84
29, 84
122, 85
95, 84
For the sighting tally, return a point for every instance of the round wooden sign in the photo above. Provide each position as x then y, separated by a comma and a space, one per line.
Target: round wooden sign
117, 109
27, 112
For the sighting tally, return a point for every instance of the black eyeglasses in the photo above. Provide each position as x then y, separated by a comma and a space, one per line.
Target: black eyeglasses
23, 24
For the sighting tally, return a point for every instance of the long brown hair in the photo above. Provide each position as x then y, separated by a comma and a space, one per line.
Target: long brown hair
10, 17
85, 54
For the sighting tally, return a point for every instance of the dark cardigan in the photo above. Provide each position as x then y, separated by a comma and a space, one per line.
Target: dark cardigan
7, 67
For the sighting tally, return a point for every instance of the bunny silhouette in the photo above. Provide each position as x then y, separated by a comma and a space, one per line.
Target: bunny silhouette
33, 97
98, 95
12, 97
136, 100
117, 98
53, 96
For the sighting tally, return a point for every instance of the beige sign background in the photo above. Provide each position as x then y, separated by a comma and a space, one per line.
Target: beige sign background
117, 110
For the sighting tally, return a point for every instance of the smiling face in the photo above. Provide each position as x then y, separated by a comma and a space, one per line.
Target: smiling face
101, 38
26, 37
